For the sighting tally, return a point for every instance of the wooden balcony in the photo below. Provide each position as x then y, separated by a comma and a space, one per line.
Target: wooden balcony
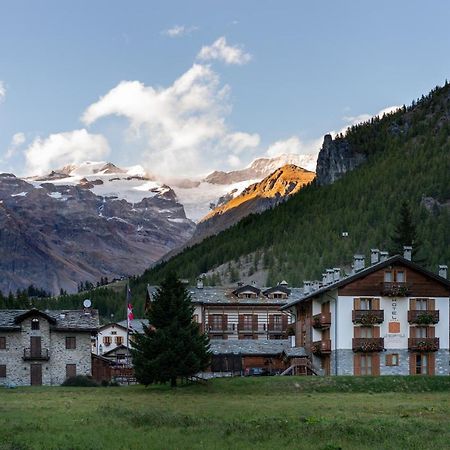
321, 321
219, 328
246, 328
396, 289
367, 345
423, 317
423, 344
35, 354
322, 347
368, 316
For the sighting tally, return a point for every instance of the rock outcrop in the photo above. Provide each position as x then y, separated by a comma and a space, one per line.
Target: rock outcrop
336, 158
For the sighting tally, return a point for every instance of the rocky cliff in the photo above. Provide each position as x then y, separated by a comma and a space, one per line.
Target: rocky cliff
56, 235
336, 158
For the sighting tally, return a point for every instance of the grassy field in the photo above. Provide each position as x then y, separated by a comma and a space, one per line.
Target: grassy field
241, 413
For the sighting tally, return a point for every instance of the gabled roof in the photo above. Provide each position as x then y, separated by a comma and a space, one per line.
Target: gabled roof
33, 312
135, 325
278, 288
119, 347
246, 288
368, 270
113, 325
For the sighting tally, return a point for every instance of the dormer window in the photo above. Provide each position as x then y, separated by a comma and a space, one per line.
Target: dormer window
35, 324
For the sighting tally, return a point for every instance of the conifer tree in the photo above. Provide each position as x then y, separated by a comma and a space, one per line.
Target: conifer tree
172, 346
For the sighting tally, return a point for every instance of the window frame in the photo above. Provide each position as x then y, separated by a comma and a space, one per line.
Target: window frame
2, 342
71, 342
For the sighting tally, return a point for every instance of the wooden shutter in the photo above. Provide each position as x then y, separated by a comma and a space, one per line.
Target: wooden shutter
35, 344
375, 364
325, 308
412, 363
356, 303
2, 371
241, 322
255, 322
71, 370
2, 342
431, 364
431, 304
224, 322
376, 332
357, 332
412, 304
376, 303
389, 360
412, 332
431, 332
284, 322
357, 364
271, 319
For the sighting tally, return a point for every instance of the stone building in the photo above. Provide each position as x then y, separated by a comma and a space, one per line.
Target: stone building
45, 347
390, 318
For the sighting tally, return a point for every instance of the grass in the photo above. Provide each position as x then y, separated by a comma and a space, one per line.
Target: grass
241, 413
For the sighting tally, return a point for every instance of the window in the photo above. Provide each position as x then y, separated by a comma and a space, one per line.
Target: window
216, 322
113, 333
2, 371
366, 303
247, 321
388, 277
195, 318
421, 332
366, 364
35, 324
421, 304
277, 322
400, 276
366, 332
248, 295
2, 342
71, 370
71, 342
392, 359
119, 340
107, 340
421, 364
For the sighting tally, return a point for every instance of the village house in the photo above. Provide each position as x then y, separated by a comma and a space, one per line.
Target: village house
245, 312
390, 318
45, 347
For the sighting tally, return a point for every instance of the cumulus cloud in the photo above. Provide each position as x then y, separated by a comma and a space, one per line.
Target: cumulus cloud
360, 118
183, 126
221, 51
294, 145
2, 91
179, 30
17, 140
62, 148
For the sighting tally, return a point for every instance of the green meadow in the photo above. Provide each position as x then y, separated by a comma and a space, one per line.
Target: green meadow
241, 413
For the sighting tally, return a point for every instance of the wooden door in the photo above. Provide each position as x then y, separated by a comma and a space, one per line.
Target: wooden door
36, 374
35, 344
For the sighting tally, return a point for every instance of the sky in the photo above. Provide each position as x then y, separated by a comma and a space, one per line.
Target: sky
184, 88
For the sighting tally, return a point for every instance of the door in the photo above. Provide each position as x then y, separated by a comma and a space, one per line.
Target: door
36, 374
35, 343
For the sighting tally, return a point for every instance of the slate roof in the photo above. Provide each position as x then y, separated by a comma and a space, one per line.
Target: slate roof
279, 288
135, 325
73, 320
364, 272
295, 352
249, 346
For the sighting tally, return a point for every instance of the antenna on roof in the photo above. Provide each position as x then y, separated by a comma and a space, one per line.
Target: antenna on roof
87, 303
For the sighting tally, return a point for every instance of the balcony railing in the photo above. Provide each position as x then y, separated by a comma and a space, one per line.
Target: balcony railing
423, 317
322, 347
276, 328
368, 316
397, 289
244, 328
322, 320
423, 344
219, 328
368, 345
32, 354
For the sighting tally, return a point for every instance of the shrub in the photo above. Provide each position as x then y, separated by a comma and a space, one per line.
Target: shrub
81, 381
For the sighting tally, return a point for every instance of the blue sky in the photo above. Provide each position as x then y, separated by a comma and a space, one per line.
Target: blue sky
271, 72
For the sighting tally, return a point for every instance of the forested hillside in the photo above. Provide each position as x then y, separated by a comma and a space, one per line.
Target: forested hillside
408, 158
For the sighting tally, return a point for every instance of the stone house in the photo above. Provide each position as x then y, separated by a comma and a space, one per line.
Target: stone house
45, 347
390, 318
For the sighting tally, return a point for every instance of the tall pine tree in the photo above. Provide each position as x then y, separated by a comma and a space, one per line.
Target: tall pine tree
172, 346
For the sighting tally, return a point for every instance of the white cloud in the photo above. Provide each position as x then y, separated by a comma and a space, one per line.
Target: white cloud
17, 140
228, 54
63, 148
179, 30
234, 161
240, 141
294, 145
2, 91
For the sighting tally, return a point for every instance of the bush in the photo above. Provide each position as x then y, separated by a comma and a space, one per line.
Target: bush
81, 381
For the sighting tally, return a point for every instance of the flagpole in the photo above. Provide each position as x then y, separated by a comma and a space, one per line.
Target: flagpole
127, 300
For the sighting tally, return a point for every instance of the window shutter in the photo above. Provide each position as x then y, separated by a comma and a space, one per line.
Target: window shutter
224, 322
356, 303
240, 336
376, 303
325, 307
284, 322
375, 364
412, 364
412, 332
255, 322
412, 304
376, 332
431, 304
431, 332
389, 360
431, 364
271, 323
241, 322
357, 332
357, 364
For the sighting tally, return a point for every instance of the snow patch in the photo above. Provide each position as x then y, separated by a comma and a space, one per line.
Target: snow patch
20, 194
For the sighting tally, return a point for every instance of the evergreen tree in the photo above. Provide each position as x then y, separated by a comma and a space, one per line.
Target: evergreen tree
172, 346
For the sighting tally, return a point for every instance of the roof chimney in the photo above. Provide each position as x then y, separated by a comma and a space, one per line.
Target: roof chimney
384, 256
358, 262
374, 256
443, 271
324, 279
200, 283
330, 276
307, 287
315, 285
407, 252
254, 283
336, 274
